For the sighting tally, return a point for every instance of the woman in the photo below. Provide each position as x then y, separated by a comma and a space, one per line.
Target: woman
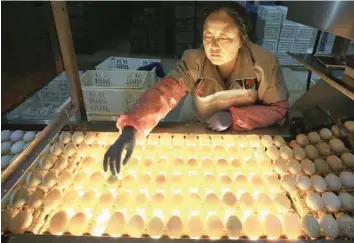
236, 84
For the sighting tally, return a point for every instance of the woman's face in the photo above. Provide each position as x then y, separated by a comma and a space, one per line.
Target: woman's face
221, 38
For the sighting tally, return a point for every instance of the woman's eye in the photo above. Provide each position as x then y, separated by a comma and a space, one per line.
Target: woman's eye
224, 38
208, 37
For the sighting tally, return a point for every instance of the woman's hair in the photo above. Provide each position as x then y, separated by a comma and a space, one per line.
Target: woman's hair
235, 11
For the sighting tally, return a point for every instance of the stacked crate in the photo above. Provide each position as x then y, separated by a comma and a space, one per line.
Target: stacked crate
325, 44
184, 28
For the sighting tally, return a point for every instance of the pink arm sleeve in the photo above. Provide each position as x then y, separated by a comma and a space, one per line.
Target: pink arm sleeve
251, 117
153, 106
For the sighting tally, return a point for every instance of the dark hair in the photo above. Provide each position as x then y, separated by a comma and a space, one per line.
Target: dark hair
235, 11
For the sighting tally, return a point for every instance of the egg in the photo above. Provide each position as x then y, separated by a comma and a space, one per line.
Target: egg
294, 167
65, 179
155, 226
50, 179
54, 198
278, 141
106, 199
136, 226
347, 178
288, 182
5, 147
302, 140
57, 148
303, 183
65, 137
272, 226
77, 224
282, 202
310, 226
249, 226
346, 224
347, 201
272, 152
115, 224
233, 226
329, 225
280, 166
5, 161
211, 200
334, 163
229, 199
34, 178
273, 182
321, 166
89, 199
214, 227
5, 135
324, 149
311, 151
19, 197
174, 227
90, 138
291, 225
308, 167
29, 136
299, 153
21, 222
325, 134
336, 145
61, 164
348, 159
286, 152
314, 201
333, 182
331, 201
70, 149
97, 180
77, 137
6, 217
246, 201
80, 179
335, 131
266, 141
17, 147
102, 138
16, 136
349, 125
318, 183
59, 222
122, 198
36, 199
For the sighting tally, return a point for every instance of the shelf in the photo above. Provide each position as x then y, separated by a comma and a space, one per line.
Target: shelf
312, 64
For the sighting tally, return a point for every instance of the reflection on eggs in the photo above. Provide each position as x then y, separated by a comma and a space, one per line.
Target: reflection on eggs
291, 225
195, 226
155, 226
250, 229
59, 222
215, 227
115, 225
174, 227
77, 224
272, 226
136, 226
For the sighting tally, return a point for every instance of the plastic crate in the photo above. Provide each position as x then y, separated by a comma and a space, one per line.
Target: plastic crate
124, 63
109, 101
270, 45
288, 32
271, 14
285, 45
302, 46
304, 32
119, 79
270, 32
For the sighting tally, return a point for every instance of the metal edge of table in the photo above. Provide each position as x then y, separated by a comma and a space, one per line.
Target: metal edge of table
309, 62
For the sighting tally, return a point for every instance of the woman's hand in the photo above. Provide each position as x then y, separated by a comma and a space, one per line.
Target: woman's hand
220, 121
113, 155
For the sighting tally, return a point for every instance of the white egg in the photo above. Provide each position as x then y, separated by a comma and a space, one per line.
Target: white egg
302, 140
288, 182
318, 183
348, 159
286, 152
195, 227
303, 183
346, 224
272, 152
70, 149
294, 167
280, 166
102, 138
90, 137
291, 225
155, 226
333, 182
254, 140
5, 135
325, 134
174, 227
349, 125
314, 201
336, 145
282, 202
272, 226
57, 148
331, 201
308, 167
5, 161
314, 137
249, 228
334, 162
347, 201
279, 141
17, 147
324, 149
299, 153
78, 137
65, 137
335, 131
16, 136
5, 147
29, 136
246, 201
321, 166
311, 226
83, 149
311, 151
264, 202
215, 227
233, 226
347, 178
266, 141
329, 225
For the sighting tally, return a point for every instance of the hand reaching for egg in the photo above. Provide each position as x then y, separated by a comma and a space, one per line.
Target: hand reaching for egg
112, 157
